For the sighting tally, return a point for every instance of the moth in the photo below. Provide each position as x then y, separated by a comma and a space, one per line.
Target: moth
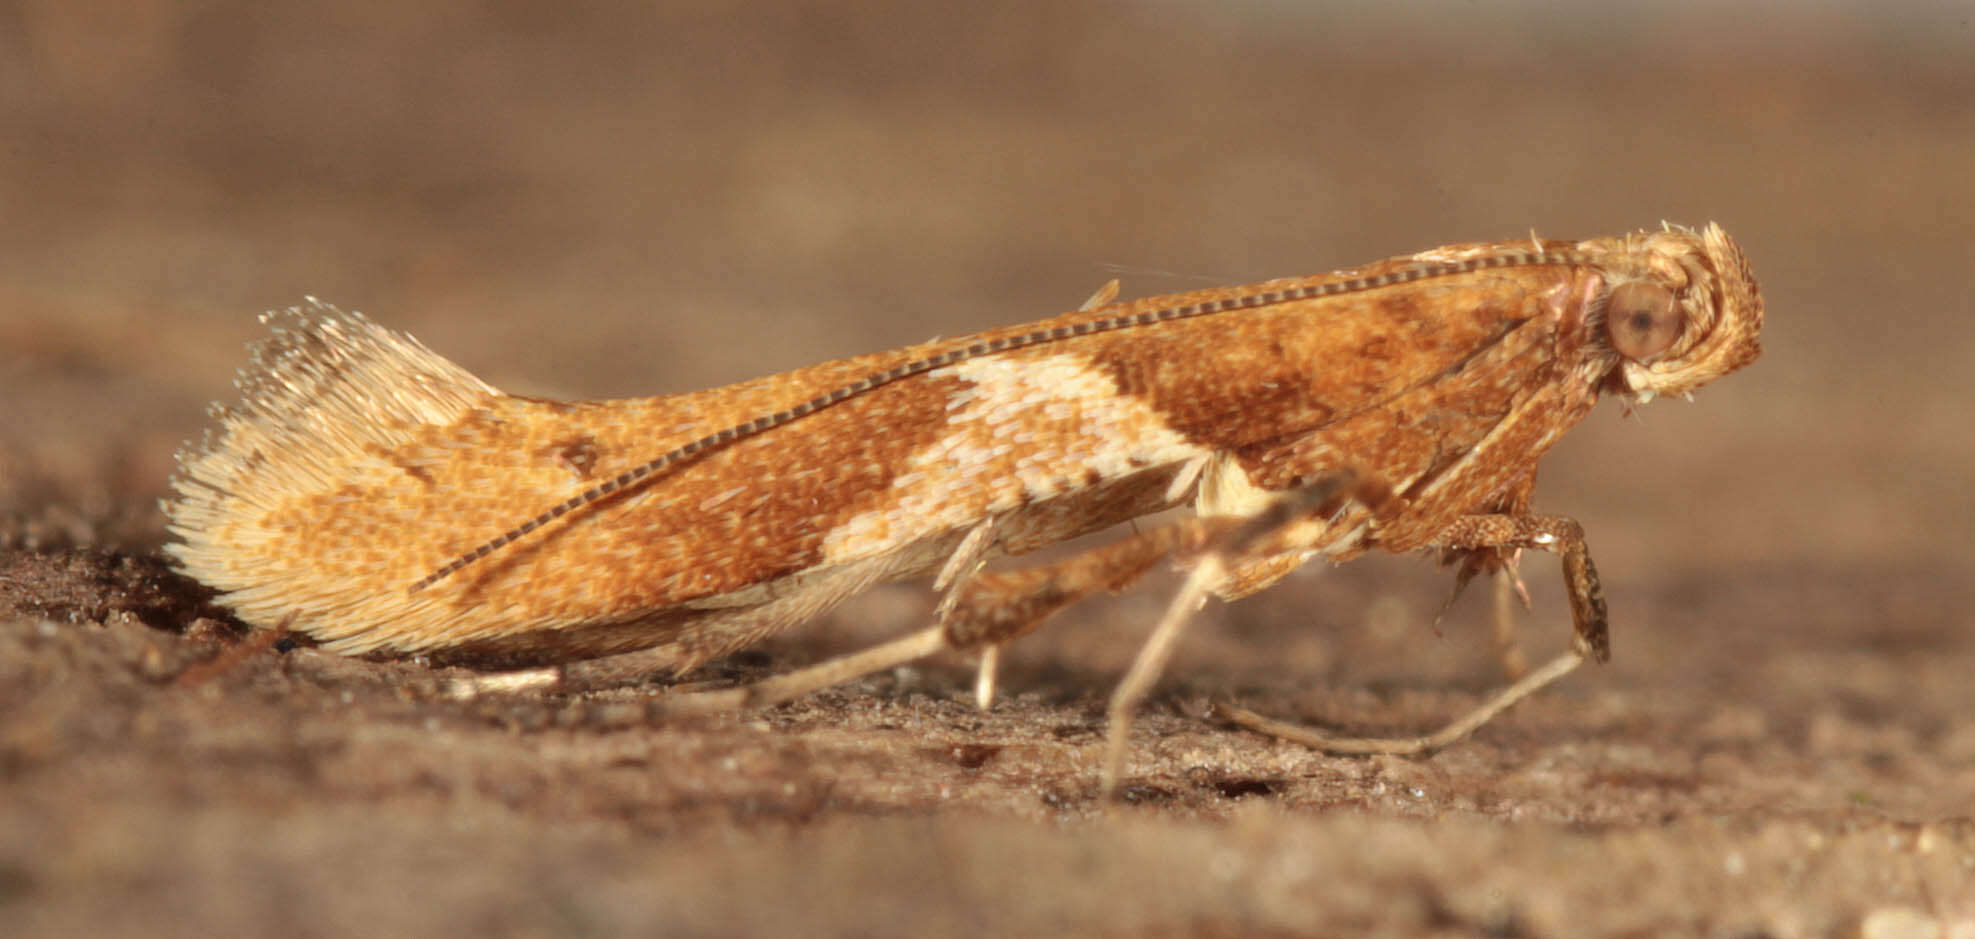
384, 502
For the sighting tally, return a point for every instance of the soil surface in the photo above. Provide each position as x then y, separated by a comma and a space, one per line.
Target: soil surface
603, 202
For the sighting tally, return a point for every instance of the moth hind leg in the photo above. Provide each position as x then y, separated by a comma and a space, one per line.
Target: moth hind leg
789, 686
991, 609
980, 611
678, 641
577, 677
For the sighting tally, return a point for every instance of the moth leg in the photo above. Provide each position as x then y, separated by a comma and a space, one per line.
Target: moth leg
978, 541
1507, 586
1508, 589
791, 685
590, 675
1406, 746
1558, 535
1554, 533
997, 607
992, 609
1502, 564
571, 677
468, 687
962, 566
960, 569
984, 610
1151, 660
1248, 554
985, 676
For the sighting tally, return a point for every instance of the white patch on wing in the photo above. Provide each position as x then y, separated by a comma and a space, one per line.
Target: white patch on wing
1225, 489
1026, 430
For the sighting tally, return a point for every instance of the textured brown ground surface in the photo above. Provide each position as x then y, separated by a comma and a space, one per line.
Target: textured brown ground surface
592, 203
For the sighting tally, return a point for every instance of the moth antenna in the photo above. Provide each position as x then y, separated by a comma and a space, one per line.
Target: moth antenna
1536, 256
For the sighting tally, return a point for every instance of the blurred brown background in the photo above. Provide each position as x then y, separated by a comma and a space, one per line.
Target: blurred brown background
602, 199
596, 199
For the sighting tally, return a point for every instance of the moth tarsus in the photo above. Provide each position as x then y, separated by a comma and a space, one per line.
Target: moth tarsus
383, 501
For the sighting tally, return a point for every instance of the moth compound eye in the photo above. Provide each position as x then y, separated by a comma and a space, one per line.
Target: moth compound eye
1641, 320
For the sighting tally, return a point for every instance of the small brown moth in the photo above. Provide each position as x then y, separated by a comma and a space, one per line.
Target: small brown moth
381, 500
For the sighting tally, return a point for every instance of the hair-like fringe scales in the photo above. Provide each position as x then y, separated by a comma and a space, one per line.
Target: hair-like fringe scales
323, 390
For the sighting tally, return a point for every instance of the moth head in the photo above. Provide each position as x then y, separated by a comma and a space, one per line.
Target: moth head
1690, 313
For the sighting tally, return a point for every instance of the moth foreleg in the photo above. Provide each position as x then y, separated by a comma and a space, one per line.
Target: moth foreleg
1558, 535
1407, 746
1508, 585
1554, 533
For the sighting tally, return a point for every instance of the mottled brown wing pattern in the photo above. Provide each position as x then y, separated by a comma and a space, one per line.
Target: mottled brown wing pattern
374, 496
